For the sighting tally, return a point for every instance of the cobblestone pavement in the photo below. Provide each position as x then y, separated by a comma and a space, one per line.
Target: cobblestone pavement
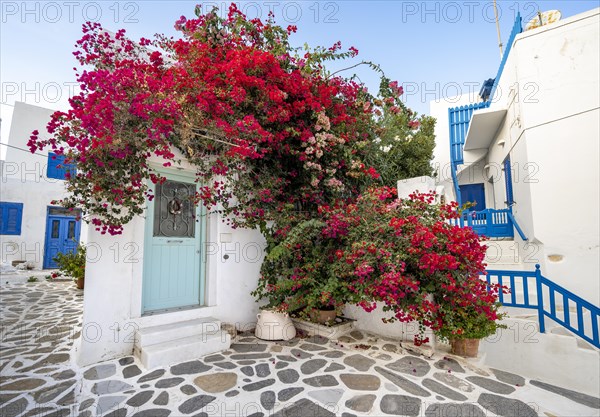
357, 375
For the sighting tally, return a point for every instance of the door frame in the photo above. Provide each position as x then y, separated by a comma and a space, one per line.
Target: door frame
200, 237
49, 217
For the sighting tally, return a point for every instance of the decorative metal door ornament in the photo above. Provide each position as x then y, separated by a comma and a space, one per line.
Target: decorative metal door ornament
175, 206
174, 209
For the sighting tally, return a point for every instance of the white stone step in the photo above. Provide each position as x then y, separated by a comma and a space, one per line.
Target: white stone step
184, 349
522, 349
153, 335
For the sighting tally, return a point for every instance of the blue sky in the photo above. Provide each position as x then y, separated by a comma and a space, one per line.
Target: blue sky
434, 48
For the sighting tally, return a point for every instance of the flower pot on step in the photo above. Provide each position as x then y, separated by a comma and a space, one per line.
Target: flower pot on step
79, 283
467, 348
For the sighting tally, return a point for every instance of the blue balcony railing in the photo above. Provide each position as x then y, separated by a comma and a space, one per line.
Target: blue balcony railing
490, 222
574, 313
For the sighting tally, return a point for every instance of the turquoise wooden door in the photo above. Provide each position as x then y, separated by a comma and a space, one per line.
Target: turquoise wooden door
173, 268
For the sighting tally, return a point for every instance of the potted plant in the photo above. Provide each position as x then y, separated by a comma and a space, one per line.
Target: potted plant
73, 264
465, 326
296, 275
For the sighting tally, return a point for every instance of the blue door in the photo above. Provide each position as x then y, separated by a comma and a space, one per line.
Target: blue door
473, 193
62, 234
173, 270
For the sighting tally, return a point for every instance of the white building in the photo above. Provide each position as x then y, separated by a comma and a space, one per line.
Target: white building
176, 274
170, 281
544, 121
529, 159
32, 228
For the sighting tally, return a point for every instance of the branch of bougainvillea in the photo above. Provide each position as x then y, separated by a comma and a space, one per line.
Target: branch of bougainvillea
217, 140
373, 66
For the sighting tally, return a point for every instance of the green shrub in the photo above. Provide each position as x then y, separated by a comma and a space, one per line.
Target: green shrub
72, 263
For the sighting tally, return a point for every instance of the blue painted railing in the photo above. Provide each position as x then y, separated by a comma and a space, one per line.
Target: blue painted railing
490, 222
517, 28
458, 121
460, 117
516, 225
536, 301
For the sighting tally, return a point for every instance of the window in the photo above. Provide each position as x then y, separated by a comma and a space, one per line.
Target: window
11, 215
57, 167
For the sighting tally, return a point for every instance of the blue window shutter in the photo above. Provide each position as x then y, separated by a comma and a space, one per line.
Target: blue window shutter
57, 168
508, 182
11, 216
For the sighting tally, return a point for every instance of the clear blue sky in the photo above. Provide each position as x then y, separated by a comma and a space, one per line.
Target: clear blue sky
435, 48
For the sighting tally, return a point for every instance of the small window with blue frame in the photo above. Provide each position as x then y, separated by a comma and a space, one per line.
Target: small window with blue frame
57, 168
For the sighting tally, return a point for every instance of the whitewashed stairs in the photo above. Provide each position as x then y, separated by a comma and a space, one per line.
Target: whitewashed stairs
161, 346
556, 356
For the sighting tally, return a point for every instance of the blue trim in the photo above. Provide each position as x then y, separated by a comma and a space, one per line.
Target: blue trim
11, 218
458, 123
517, 28
516, 225
587, 333
57, 168
460, 117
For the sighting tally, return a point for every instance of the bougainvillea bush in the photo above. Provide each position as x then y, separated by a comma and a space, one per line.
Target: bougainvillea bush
278, 142
402, 253
265, 124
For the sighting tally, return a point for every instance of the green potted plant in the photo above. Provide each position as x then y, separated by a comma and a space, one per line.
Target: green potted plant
296, 275
73, 264
465, 326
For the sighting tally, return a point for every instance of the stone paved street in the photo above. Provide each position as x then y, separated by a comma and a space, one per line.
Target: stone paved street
357, 375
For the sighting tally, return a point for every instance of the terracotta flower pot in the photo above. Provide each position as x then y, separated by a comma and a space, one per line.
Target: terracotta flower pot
79, 283
467, 348
323, 316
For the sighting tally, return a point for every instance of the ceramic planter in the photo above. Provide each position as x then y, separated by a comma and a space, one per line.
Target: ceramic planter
467, 348
323, 316
273, 325
79, 283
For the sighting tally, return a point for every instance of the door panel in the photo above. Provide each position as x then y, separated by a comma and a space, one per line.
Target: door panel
474, 193
173, 273
62, 236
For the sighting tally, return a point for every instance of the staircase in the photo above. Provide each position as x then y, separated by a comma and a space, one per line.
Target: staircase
557, 356
506, 254
552, 334
163, 345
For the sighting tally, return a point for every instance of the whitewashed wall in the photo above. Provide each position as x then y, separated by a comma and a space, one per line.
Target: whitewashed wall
113, 286
23, 180
554, 126
372, 322
549, 87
